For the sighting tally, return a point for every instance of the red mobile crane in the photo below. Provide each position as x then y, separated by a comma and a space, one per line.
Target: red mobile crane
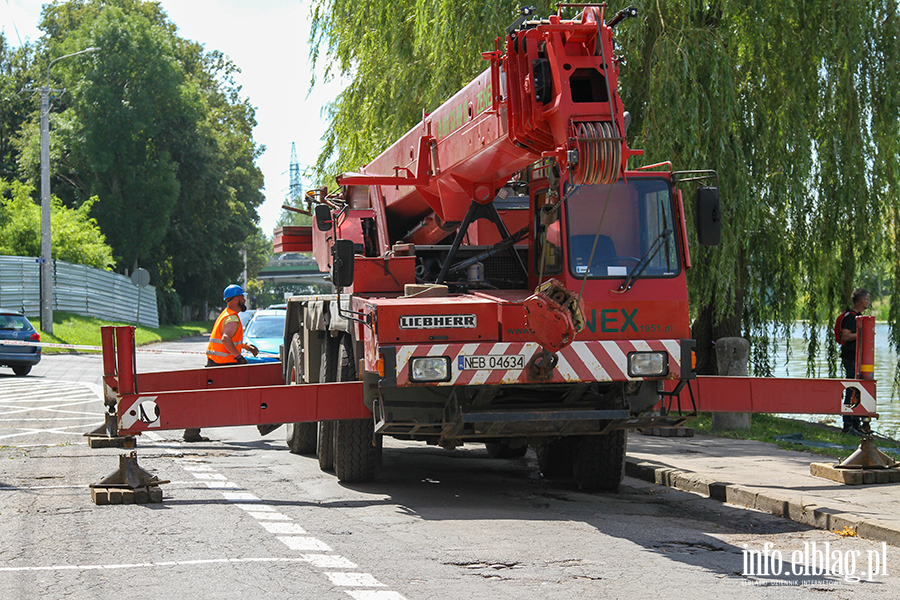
502, 278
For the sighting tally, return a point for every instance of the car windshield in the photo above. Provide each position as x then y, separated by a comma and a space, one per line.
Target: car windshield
636, 229
14, 323
266, 327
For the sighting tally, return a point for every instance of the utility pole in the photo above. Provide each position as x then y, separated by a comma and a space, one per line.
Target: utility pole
244, 255
46, 260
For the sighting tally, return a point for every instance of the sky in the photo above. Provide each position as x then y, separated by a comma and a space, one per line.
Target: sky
267, 39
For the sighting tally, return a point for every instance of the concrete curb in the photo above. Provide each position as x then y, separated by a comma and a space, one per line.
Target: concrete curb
782, 502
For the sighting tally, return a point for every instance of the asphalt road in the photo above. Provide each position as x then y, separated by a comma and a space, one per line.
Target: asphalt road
243, 518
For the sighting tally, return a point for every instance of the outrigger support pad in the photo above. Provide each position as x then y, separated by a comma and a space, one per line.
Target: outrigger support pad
867, 456
129, 484
105, 435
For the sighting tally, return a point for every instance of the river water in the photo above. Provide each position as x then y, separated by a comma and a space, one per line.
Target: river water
793, 364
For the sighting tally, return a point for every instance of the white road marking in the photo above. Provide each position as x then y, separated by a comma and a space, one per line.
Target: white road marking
222, 485
240, 497
27, 404
329, 561
44, 487
304, 543
62, 430
269, 516
215, 476
284, 528
91, 415
374, 595
39, 392
54, 408
354, 579
41, 396
256, 507
291, 535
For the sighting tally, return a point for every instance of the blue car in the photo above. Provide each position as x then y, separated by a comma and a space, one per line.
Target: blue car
16, 327
266, 331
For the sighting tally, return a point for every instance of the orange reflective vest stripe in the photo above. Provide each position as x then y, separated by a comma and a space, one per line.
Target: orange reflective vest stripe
216, 350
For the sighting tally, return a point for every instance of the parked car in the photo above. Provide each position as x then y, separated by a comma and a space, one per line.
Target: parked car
245, 316
15, 326
266, 331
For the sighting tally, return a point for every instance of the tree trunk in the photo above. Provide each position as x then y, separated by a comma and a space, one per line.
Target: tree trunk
706, 331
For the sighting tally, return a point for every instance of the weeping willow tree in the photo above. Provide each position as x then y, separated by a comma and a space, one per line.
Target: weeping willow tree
796, 106
401, 58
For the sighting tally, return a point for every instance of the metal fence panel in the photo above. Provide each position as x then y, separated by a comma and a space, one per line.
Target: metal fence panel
20, 284
76, 288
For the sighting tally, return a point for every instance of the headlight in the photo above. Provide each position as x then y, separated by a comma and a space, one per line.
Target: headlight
648, 364
429, 368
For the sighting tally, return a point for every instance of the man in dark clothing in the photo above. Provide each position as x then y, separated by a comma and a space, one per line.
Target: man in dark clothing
860, 300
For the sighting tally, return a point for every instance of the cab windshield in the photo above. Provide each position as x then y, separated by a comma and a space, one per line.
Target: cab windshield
632, 225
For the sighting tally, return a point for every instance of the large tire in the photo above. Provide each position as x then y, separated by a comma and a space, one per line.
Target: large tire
357, 450
555, 458
325, 445
501, 450
600, 461
328, 373
328, 368
300, 437
22, 371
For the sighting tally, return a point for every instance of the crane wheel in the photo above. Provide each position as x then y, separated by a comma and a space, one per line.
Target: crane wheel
357, 450
599, 463
325, 445
300, 437
555, 458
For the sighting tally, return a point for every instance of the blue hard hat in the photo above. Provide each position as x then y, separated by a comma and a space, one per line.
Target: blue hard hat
232, 290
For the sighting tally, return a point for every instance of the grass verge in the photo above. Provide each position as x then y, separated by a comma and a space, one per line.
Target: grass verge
69, 328
767, 428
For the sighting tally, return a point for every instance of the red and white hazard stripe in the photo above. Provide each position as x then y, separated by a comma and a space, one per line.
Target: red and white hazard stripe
589, 361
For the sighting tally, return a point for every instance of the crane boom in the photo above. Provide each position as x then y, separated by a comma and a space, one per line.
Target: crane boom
552, 94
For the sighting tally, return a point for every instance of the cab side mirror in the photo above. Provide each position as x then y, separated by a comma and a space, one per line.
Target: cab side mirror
323, 217
342, 253
708, 216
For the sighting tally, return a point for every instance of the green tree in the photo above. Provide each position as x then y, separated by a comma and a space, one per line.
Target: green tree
221, 184
401, 58
127, 108
157, 129
15, 104
76, 237
796, 106
259, 251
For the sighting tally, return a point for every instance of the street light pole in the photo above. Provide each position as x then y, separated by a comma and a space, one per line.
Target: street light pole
46, 256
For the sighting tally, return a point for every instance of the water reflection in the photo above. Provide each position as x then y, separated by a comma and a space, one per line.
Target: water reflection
792, 363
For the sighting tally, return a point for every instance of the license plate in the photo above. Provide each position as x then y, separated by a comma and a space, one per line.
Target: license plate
491, 362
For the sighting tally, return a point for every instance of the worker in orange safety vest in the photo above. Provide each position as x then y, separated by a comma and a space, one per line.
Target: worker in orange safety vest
226, 342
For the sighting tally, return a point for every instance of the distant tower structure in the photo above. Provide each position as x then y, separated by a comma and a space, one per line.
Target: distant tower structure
296, 190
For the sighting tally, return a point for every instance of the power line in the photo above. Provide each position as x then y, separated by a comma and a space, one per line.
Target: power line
16, 29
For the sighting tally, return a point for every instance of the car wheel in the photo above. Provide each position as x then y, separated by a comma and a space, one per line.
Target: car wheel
22, 371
